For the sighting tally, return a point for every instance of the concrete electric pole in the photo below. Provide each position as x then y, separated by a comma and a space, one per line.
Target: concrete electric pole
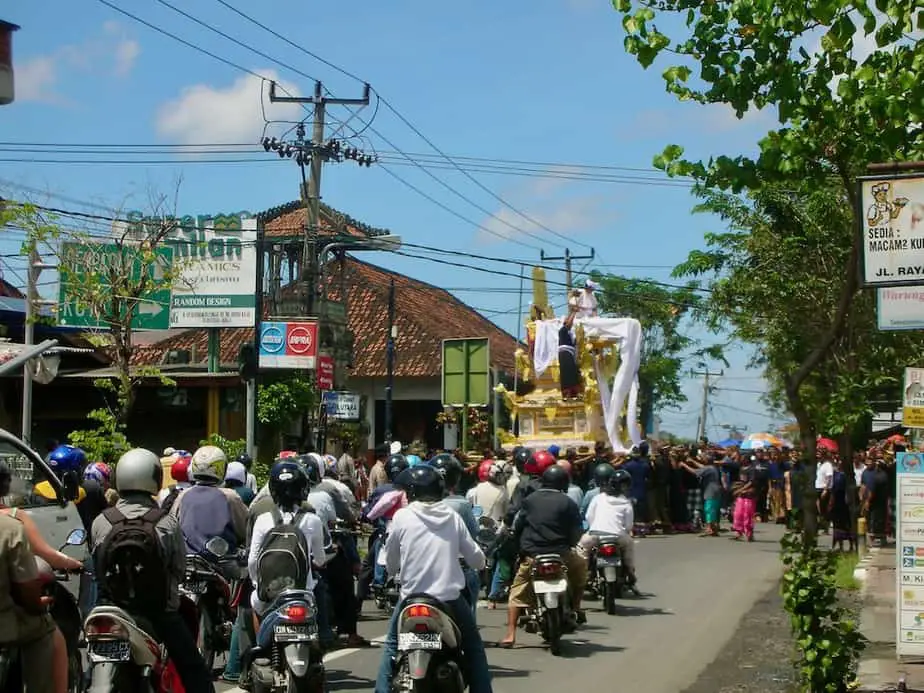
701, 432
567, 257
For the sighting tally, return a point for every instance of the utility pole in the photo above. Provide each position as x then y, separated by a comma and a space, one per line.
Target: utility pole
390, 361
32, 300
567, 257
319, 152
701, 425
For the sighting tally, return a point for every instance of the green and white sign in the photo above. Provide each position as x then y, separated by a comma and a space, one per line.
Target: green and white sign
466, 372
86, 265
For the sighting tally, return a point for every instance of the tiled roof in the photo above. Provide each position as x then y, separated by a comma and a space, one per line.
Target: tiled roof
288, 220
9, 291
424, 316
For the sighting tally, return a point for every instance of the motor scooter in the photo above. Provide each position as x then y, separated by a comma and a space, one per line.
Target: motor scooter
429, 654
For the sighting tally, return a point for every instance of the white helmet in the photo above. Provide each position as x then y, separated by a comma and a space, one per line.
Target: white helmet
139, 470
208, 464
236, 472
319, 461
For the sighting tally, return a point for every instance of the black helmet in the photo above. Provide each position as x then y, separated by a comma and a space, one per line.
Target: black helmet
449, 468
555, 477
422, 483
245, 460
394, 465
520, 458
641, 450
288, 484
311, 468
618, 482
602, 472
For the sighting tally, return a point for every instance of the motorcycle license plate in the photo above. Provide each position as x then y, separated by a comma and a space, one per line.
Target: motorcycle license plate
109, 650
547, 586
419, 641
294, 632
196, 586
608, 560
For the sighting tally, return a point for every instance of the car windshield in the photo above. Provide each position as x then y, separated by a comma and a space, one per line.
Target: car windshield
23, 473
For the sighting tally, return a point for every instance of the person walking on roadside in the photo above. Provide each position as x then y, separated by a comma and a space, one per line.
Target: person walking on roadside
745, 492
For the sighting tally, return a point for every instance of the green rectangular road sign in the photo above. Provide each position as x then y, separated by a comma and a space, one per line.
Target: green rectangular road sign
466, 372
153, 311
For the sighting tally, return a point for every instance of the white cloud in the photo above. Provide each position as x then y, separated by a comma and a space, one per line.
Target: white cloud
112, 50
203, 113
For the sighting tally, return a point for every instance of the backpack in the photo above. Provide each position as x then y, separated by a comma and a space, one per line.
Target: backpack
130, 562
285, 560
168, 502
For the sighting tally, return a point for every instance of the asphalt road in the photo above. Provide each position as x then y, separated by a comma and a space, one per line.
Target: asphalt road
696, 590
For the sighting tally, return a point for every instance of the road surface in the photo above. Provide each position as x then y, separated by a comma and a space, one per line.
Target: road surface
697, 589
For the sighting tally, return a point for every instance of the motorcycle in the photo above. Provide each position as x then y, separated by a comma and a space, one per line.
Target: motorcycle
65, 612
610, 572
552, 615
213, 584
288, 657
486, 539
429, 654
386, 595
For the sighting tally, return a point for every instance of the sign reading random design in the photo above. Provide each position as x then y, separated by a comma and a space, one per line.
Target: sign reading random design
913, 398
891, 217
910, 554
217, 261
288, 345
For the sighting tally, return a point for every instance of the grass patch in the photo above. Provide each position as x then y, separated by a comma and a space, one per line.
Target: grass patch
846, 564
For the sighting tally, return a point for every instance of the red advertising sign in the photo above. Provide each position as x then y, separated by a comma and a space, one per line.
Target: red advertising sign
288, 345
325, 372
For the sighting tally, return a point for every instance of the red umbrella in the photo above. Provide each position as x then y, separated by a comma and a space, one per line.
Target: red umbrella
900, 439
827, 443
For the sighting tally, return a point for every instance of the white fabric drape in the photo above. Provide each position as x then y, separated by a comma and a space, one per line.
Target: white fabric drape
624, 389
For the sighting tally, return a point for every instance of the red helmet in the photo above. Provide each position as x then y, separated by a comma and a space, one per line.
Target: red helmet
179, 470
543, 460
484, 470
286, 454
566, 465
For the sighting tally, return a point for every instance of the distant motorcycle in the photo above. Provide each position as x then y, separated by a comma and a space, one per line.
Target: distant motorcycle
551, 616
609, 572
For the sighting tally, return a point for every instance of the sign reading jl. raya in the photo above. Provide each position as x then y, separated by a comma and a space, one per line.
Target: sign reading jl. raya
892, 222
217, 258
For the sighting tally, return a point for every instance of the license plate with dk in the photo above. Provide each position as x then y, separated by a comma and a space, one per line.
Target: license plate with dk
608, 561
110, 650
196, 586
294, 632
419, 641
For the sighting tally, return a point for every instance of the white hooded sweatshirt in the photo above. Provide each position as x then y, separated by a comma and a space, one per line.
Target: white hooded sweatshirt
613, 515
424, 545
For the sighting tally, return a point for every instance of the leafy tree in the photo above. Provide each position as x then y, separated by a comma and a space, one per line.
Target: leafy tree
282, 402
839, 111
660, 309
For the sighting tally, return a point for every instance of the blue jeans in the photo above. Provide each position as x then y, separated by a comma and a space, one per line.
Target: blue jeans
233, 666
497, 583
474, 588
479, 676
322, 598
378, 571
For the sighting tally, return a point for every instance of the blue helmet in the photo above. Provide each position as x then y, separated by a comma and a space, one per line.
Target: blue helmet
414, 460
66, 458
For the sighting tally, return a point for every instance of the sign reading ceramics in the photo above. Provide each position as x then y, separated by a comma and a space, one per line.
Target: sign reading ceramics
217, 261
892, 221
909, 515
288, 345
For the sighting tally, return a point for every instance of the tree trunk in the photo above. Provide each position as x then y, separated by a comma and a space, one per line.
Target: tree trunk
809, 463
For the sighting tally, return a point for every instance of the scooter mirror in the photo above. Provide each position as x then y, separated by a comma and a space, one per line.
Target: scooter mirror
76, 538
217, 546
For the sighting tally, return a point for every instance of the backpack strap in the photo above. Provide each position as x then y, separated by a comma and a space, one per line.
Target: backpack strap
277, 516
113, 515
154, 515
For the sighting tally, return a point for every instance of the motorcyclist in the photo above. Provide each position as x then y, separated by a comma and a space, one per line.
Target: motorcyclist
438, 537
344, 500
549, 523
236, 480
101, 473
451, 470
520, 457
138, 477
67, 463
24, 621
574, 492
611, 514
491, 493
320, 502
601, 474
534, 467
206, 511
250, 480
179, 470
371, 573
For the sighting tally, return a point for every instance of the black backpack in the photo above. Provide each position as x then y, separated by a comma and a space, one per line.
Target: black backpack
168, 502
130, 562
285, 559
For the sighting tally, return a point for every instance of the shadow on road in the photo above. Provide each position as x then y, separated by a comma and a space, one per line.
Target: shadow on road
341, 680
584, 649
505, 673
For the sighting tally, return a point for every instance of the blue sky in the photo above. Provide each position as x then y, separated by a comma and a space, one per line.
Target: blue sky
548, 81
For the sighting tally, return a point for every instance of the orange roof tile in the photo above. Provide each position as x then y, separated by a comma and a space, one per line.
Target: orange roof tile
288, 221
424, 316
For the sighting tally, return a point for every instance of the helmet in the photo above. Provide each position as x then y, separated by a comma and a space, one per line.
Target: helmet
330, 467
566, 465
245, 460
449, 468
618, 482
602, 472
98, 471
555, 477
208, 464
394, 465
179, 470
139, 470
288, 484
554, 450
531, 468
236, 472
312, 465
423, 483
414, 460
544, 459
66, 458
520, 457
640, 450
485, 469
286, 454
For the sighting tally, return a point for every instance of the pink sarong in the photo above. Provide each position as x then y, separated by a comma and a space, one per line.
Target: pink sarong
743, 519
